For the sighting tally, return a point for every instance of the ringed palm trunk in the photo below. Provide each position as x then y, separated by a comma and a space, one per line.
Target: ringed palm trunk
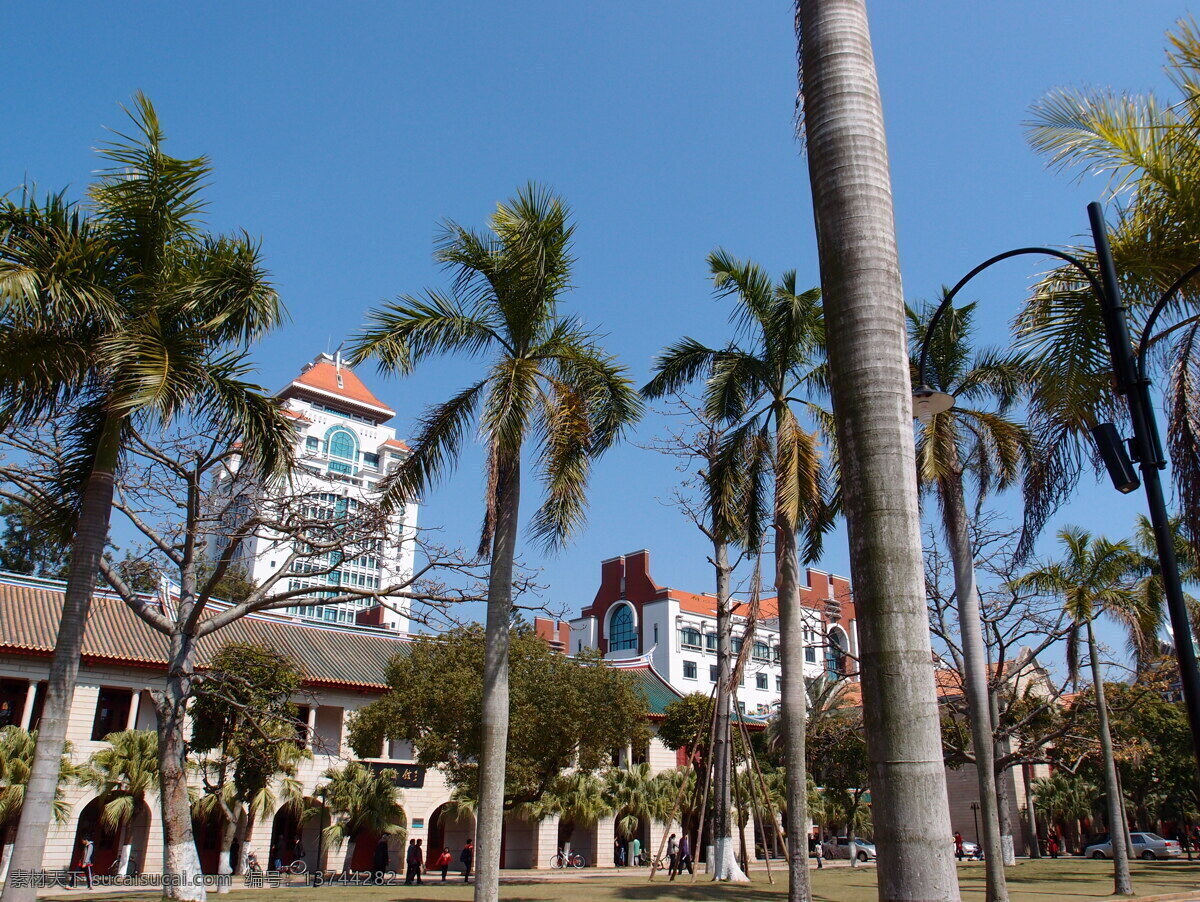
793, 704
91, 534
1122, 884
226, 864
1031, 824
975, 678
490, 823
125, 841
348, 862
725, 867
181, 863
872, 405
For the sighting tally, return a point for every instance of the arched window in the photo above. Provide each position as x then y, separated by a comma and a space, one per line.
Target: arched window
710, 641
835, 652
621, 632
343, 445
689, 636
762, 651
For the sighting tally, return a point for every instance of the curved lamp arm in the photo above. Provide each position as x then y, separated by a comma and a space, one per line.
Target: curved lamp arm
1159, 306
1044, 251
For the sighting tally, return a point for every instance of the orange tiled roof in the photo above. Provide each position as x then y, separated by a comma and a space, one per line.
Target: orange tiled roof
329, 656
395, 443
292, 414
322, 376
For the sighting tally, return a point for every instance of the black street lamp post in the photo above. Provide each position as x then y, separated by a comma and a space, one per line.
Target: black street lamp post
1129, 371
975, 815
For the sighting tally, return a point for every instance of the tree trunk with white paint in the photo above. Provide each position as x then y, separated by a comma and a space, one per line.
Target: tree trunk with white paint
867, 342
181, 862
724, 865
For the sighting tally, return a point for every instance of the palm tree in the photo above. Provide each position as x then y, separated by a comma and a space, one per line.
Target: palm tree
1093, 579
632, 793
16, 760
578, 800
754, 388
128, 316
361, 800
548, 382
122, 775
1066, 800
1147, 147
992, 451
868, 372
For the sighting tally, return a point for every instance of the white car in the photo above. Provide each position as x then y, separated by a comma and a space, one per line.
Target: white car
1149, 846
840, 848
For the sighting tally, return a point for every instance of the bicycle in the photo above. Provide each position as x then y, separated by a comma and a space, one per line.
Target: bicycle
297, 867
644, 860
563, 860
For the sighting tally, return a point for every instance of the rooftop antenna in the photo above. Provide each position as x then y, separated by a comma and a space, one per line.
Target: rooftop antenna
337, 362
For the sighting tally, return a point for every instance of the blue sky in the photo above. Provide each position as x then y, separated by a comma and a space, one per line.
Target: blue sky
342, 133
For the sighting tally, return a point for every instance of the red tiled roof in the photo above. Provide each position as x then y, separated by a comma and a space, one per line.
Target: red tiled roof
329, 656
294, 415
395, 443
322, 377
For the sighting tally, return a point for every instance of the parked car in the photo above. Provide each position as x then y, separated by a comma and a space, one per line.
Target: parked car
1149, 846
972, 850
840, 848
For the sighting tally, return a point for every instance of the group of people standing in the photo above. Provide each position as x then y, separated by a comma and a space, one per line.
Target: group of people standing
415, 861
679, 855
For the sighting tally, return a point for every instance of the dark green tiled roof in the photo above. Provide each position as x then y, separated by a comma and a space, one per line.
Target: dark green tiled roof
658, 693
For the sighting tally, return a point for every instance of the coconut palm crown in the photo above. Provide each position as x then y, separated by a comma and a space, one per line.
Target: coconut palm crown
547, 378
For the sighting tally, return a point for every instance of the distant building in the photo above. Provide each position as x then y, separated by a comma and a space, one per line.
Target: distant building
343, 449
676, 631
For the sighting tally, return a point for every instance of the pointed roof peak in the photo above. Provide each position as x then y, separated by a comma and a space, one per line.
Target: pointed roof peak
330, 379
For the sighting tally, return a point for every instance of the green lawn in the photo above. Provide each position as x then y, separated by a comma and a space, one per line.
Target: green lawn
1064, 880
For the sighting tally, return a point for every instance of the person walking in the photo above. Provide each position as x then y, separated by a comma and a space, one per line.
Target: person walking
467, 857
412, 862
86, 851
636, 851
1052, 846
672, 856
618, 852
379, 861
818, 851
958, 845
685, 854
443, 863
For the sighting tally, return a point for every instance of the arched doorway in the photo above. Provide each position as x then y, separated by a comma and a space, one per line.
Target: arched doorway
108, 844
449, 828
835, 652
207, 830
583, 839
293, 839
639, 830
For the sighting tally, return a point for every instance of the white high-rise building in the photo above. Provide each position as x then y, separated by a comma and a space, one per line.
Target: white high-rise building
343, 449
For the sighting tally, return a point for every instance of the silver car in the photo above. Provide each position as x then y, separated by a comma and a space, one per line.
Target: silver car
1149, 846
864, 850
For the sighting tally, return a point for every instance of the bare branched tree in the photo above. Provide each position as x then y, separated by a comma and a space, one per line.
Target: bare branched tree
1020, 626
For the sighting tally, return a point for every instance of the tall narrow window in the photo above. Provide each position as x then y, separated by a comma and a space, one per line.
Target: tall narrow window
621, 632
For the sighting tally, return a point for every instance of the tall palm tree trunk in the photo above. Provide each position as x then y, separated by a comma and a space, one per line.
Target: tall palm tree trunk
725, 867
91, 534
975, 678
181, 862
1122, 883
490, 827
1031, 824
793, 703
872, 405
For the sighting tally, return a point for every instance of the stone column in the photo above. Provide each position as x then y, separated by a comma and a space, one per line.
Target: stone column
312, 728
606, 832
134, 704
545, 841
27, 712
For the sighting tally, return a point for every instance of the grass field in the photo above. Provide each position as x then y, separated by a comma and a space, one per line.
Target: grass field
1064, 880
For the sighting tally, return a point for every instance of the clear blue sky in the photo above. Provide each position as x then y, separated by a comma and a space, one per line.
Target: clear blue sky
341, 134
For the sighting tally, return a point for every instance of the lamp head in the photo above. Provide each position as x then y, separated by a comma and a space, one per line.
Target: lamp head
927, 402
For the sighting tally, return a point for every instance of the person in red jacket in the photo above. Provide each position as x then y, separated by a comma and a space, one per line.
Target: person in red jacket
443, 863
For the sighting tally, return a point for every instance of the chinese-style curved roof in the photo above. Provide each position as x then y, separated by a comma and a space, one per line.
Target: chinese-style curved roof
329, 656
